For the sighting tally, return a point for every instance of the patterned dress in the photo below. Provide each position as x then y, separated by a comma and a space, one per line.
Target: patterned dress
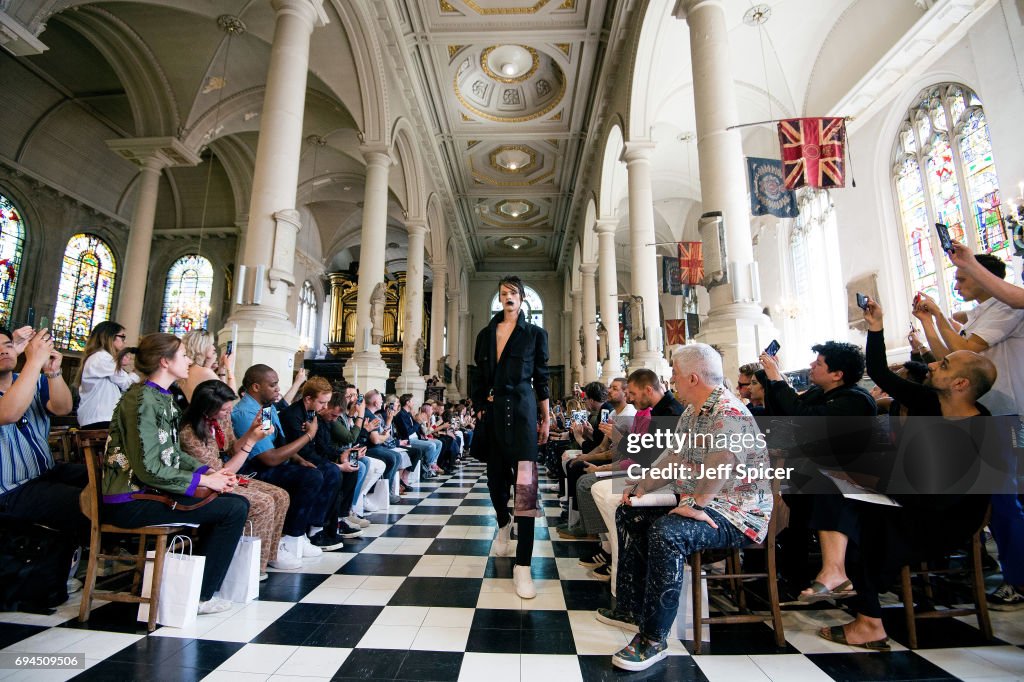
267, 503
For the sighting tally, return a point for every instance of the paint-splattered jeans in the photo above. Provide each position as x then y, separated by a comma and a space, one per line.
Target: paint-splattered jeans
654, 546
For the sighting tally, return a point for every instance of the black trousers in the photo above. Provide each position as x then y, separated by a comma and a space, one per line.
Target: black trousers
52, 500
220, 526
501, 480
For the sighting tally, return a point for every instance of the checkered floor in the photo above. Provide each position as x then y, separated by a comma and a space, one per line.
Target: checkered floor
419, 598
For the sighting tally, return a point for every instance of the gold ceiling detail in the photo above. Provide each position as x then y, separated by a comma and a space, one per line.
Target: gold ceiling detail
454, 50
557, 117
446, 6
472, 143
486, 180
555, 101
507, 10
505, 79
553, 143
464, 117
529, 151
568, 4
564, 47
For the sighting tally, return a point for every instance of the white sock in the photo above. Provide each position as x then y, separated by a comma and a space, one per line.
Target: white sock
313, 530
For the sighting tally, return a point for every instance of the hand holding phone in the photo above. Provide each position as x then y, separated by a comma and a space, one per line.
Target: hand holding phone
773, 348
229, 348
862, 301
267, 418
310, 415
944, 239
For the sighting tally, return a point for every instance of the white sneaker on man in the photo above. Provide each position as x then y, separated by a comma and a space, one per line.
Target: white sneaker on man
285, 559
309, 550
369, 507
523, 582
504, 539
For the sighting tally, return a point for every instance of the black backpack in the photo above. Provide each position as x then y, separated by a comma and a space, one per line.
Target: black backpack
34, 565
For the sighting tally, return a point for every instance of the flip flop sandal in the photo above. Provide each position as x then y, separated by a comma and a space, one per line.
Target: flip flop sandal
820, 592
836, 634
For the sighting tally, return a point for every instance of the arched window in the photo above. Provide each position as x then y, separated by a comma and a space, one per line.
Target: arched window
86, 290
944, 173
307, 316
12, 242
532, 307
187, 295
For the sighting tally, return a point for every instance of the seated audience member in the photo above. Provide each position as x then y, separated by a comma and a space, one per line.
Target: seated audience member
408, 428
711, 512
201, 349
343, 437
103, 376
587, 434
385, 437
835, 395
430, 432
437, 429
207, 435
143, 457
756, 392
276, 460
32, 486
370, 436
340, 477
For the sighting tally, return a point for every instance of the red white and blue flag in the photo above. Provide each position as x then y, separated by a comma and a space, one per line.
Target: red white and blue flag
813, 152
691, 263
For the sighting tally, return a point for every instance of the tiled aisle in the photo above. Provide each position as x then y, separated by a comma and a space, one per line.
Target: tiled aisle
420, 599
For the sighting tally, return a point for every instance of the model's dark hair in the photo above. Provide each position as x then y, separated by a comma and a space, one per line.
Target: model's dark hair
207, 400
842, 357
514, 282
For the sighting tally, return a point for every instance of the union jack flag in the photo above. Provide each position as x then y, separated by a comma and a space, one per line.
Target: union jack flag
675, 332
691, 263
813, 152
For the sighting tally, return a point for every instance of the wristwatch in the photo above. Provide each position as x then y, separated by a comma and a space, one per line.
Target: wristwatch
696, 506
53, 375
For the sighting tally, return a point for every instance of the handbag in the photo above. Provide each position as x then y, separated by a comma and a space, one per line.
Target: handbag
203, 494
242, 581
180, 585
34, 561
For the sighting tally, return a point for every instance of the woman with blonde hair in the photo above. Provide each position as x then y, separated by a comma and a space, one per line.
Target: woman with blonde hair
104, 375
201, 349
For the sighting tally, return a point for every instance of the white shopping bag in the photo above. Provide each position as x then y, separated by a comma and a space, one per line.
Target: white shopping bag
179, 587
683, 628
242, 581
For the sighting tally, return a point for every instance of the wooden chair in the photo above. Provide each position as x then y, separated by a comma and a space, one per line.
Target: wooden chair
977, 584
735, 577
91, 445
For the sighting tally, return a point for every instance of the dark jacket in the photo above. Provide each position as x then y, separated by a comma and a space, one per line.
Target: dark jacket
515, 382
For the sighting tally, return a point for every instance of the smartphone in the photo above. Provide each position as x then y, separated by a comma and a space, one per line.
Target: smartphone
579, 416
359, 398
310, 415
862, 302
230, 346
773, 348
917, 299
944, 239
44, 322
267, 418
604, 415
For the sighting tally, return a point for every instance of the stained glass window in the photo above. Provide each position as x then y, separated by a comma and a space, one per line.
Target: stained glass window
532, 307
307, 316
86, 290
12, 242
944, 172
187, 295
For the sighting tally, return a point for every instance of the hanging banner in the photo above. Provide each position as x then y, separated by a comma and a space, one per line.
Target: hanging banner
675, 332
691, 263
813, 152
768, 193
670, 282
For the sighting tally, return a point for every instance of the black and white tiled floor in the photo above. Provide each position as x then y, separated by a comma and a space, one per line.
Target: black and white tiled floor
419, 598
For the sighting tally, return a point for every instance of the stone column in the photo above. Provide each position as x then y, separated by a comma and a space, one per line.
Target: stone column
152, 155
437, 315
467, 342
608, 301
643, 256
735, 322
454, 344
366, 369
265, 333
588, 270
411, 380
577, 347
567, 358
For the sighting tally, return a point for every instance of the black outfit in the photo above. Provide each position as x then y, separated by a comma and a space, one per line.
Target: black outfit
52, 499
515, 382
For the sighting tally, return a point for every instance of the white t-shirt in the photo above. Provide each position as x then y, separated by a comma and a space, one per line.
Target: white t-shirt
102, 385
1002, 328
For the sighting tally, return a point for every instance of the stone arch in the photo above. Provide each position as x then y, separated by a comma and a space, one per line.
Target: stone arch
368, 57
407, 153
589, 237
614, 182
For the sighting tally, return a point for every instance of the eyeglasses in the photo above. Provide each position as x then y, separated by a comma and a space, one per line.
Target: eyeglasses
741, 384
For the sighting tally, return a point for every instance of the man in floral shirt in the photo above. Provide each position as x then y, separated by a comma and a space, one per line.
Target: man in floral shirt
715, 471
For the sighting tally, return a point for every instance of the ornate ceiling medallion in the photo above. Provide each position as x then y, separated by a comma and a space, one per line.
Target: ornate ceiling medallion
525, 9
516, 243
509, 63
513, 158
516, 208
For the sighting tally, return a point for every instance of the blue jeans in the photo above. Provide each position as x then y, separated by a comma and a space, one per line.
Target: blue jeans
429, 449
390, 459
1007, 525
654, 547
364, 471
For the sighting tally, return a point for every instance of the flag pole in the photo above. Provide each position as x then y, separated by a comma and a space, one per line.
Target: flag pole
780, 120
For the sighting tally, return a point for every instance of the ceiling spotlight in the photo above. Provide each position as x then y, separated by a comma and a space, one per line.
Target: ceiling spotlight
508, 68
515, 246
347, 187
512, 165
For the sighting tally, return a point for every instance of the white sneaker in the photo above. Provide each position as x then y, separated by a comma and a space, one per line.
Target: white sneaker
214, 605
504, 539
357, 522
285, 559
74, 585
524, 582
309, 550
369, 507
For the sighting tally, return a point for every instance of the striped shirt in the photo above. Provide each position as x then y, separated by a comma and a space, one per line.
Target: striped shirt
24, 445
